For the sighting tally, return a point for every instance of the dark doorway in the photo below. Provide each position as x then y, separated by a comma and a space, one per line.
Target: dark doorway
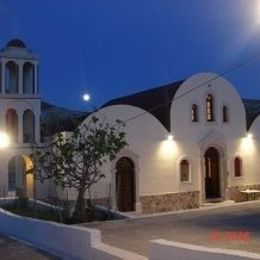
212, 181
125, 184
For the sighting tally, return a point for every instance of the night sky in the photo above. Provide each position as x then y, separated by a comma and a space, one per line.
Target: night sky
112, 48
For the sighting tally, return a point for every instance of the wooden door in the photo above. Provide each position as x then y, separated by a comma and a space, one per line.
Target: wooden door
212, 180
125, 184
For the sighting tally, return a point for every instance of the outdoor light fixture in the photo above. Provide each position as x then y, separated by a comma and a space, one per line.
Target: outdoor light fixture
248, 145
4, 140
170, 137
168, 148
249, 135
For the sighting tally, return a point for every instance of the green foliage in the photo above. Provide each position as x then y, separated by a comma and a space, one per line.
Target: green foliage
76, 160
32, 211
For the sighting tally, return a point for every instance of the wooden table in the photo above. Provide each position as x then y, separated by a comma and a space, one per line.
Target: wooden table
248, 191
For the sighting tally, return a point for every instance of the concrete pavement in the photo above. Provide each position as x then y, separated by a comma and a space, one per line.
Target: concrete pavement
11, 249
234, 226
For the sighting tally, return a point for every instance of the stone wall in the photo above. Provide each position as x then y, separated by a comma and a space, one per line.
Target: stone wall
237, 196
169, 202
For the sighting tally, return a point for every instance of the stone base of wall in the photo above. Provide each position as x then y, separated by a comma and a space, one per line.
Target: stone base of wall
237, 196
170, 202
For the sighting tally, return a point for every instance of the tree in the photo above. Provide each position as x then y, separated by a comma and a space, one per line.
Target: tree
75, 161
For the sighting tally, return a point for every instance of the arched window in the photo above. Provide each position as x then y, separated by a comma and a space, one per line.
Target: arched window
11, 124
184, 170
194, 113
28, 78
28, 127
225, 114
210, 108
238, 167
11, 78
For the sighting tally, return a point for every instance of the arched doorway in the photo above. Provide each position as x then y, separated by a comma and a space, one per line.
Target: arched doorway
19, 181
212, 173
29, 186
125, 184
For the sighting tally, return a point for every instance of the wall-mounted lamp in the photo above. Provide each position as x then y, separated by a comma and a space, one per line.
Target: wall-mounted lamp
170, 137
4, 140
249, 135
248, 144
168, 147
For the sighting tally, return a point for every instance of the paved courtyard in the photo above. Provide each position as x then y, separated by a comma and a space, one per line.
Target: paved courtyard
235, 226
11, 250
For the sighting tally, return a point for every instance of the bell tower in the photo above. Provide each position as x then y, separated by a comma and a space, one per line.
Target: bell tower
19, 93
20, 109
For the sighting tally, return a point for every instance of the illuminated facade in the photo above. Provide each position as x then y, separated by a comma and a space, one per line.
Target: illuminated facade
189, 142
211, 154
20, 117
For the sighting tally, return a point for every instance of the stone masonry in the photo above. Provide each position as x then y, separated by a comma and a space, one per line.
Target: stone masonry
169, 202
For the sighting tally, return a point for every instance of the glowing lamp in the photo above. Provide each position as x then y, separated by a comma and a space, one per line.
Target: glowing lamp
249, 135
170, 137
4, 140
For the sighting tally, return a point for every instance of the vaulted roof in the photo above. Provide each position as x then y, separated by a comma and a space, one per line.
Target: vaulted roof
156, 101
252, 107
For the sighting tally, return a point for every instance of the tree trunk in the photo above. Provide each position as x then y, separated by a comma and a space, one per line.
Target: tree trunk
79, 213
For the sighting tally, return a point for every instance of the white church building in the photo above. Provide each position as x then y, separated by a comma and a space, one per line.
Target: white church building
20, 111
190, 142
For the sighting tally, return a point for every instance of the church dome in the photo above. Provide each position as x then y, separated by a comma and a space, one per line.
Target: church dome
17, 43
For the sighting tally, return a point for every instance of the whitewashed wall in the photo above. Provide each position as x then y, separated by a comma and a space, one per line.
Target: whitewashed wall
68, 242
20, 102
251, 151
20, 105
193, 138
157, 160
145, 137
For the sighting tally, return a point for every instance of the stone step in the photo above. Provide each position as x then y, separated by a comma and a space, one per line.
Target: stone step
217, 203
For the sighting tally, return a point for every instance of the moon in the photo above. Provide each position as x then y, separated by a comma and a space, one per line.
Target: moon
86, 97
